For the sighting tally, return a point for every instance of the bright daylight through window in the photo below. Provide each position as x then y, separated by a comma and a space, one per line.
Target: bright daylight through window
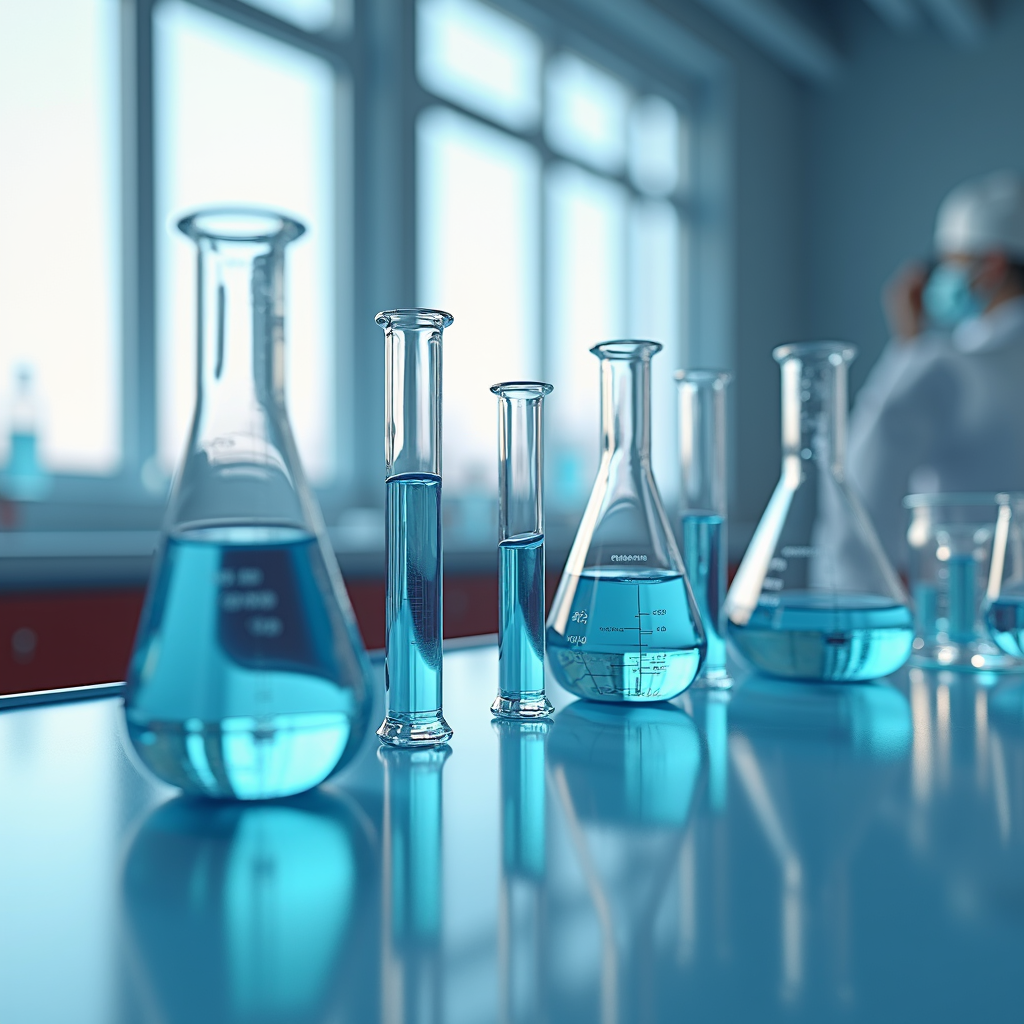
550, 217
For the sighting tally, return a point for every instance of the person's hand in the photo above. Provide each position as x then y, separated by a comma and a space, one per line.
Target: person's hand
901, 300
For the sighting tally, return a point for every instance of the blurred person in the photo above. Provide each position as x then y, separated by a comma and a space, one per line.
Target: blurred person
943, 408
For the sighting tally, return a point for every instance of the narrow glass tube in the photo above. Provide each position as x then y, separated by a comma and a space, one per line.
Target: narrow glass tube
412, 451
520, 551
702, 454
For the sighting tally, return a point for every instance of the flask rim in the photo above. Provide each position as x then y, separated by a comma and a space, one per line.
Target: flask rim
404, 319
522, 389
626, 348
716, 378
240, 224
835, 352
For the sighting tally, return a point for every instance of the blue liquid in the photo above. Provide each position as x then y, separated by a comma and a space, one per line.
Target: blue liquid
413, 625
963, 572
244, 681
704, 558
829, 636
628, 637
1005, 621
521, 618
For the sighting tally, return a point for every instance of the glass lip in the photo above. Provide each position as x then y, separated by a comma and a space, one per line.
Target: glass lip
955, 499
836, 352
240, 224
626, 348
522, 389
716, 378
417, 316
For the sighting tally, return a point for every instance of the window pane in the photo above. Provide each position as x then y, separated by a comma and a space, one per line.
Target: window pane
311, 15
242, 118
586, 232
478, 243
586, 112
470, 53
656, 298
654, 146
59, 205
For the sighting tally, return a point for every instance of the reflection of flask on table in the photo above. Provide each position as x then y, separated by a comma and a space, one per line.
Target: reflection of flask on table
249, 678
624, 625
412, 451
520, 551
815, 597
703, 502
24, 478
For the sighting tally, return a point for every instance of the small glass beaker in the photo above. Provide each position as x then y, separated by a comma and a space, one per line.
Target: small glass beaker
815, 596
950, 538
1003, 606
249, 678
624, 624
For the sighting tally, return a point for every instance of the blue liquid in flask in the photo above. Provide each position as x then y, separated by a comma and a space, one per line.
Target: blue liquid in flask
1005, 621
705, 565
813, 635
628, 637
413, 658
521, 612
236, 686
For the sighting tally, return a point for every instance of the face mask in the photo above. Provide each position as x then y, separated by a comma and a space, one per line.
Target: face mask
948, 297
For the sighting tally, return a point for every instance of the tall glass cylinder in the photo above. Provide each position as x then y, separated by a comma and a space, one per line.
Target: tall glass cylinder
412, 451
520, 551
704, 505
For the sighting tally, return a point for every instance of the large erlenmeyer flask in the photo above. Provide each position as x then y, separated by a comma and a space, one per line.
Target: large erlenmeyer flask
815, 597
249, 678
624, 625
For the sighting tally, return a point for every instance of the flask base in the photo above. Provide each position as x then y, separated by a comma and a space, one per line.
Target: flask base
522, 707
414, 729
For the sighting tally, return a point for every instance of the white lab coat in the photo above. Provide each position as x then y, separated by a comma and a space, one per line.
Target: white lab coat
940, 413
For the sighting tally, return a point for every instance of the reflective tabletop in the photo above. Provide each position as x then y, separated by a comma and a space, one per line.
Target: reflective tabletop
783, 851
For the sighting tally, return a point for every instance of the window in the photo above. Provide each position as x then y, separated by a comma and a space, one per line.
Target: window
551, 216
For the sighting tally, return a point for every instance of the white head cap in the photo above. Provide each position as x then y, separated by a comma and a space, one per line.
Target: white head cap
983, 215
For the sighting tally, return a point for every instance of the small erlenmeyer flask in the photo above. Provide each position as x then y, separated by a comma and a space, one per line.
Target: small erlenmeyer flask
815, 597
624, 625
249, 678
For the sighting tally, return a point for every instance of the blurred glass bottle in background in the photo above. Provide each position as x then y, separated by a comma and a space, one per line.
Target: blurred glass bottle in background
24, 478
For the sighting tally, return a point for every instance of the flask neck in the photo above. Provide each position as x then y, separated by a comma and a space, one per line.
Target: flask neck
626, 405
241, 326
814, 403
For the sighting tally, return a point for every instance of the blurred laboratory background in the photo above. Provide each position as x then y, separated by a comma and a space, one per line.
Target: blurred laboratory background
718, 175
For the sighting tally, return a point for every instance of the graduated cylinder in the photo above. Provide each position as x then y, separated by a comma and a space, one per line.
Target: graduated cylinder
521, 550
412, 449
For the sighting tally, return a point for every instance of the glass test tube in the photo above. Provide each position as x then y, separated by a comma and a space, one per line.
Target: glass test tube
412, 451
702, 453
520, 551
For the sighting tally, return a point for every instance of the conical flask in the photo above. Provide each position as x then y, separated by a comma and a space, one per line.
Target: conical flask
815, 597
624, 625
249, 678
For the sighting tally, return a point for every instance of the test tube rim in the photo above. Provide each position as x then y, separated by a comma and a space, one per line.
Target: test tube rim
418, 316
699, 375
525, 389
845, 350
626, 348
201, 224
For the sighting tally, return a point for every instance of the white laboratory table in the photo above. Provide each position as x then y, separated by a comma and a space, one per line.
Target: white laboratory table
783, 852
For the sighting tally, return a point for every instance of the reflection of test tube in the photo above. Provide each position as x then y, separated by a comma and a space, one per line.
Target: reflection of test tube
412, 451
523, 833
411, 974
702, 456
521, 551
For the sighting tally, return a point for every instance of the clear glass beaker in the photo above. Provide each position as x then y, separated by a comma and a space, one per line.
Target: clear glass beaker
704, 506
521, 550
412, 454
624, 625
815, 597
249, 678
951, 550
